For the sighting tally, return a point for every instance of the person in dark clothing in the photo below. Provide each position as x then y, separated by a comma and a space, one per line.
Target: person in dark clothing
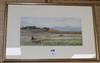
32, 38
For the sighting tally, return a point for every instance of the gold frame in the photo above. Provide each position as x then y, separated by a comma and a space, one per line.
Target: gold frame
50, 60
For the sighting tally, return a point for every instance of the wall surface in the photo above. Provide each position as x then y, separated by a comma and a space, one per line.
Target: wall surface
2, 10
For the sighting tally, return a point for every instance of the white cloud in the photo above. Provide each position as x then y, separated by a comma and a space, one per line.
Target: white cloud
50, 22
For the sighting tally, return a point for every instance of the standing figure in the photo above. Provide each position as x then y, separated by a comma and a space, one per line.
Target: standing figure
32, 38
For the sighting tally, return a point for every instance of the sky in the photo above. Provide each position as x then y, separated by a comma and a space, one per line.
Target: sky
50, 22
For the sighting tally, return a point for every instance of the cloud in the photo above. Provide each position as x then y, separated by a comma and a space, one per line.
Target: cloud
50, 22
